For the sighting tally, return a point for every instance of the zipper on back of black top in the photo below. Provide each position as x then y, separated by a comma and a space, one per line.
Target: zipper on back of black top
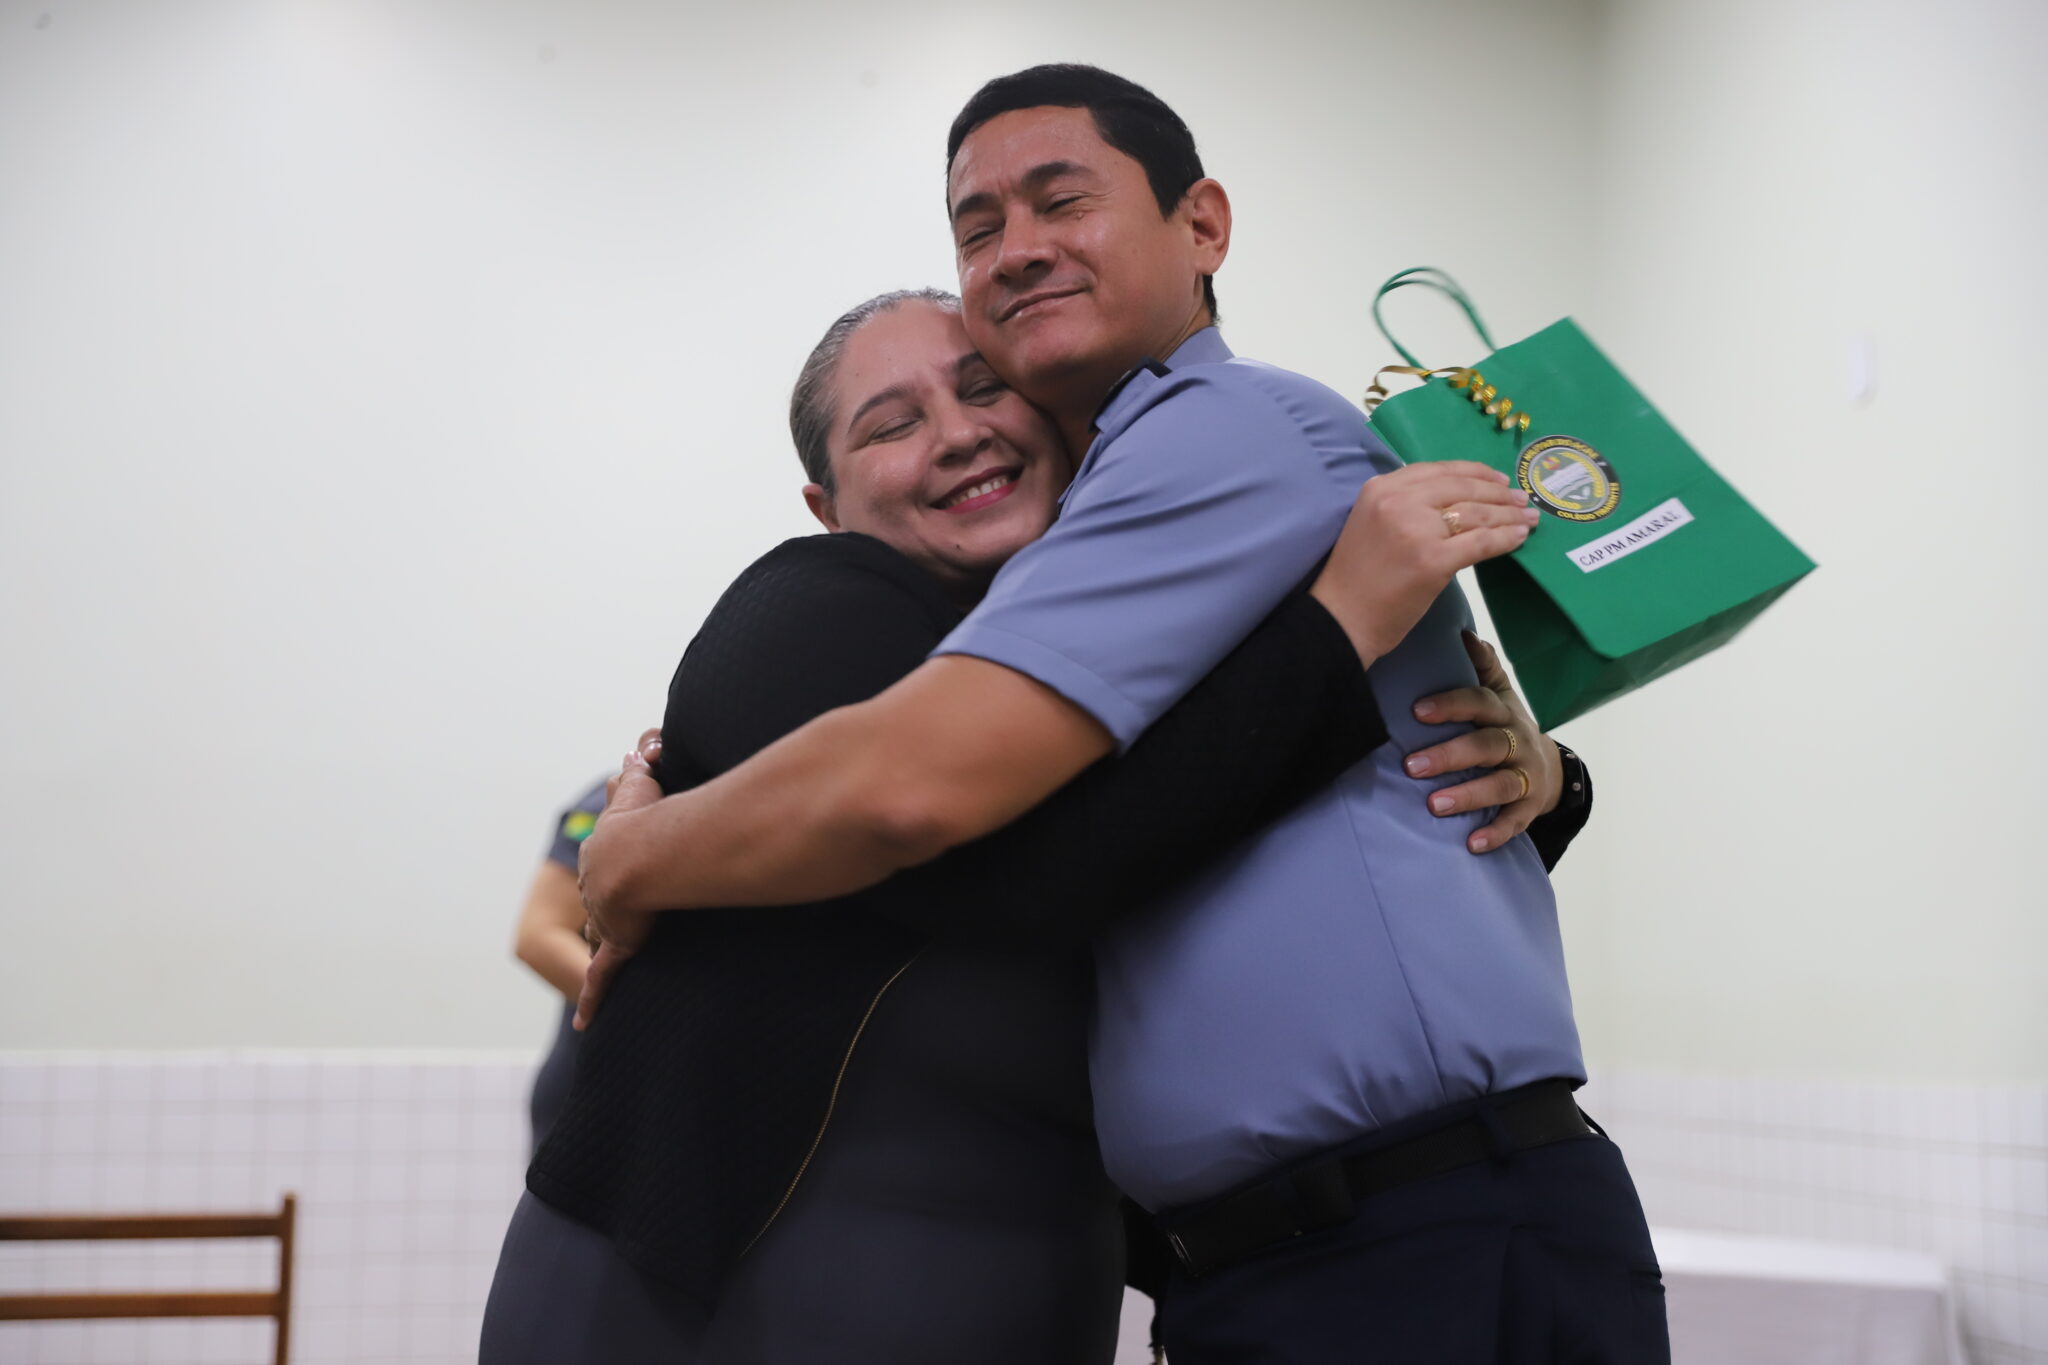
831, 1103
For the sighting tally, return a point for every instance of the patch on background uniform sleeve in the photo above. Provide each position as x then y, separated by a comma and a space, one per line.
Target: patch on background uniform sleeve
577, 824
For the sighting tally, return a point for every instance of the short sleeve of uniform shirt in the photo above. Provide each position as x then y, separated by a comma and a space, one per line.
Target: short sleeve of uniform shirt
1212, 490
573, 826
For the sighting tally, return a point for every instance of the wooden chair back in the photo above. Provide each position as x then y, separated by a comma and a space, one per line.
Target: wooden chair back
159, 1304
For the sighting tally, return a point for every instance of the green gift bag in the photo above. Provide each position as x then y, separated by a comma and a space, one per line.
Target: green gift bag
1646, 558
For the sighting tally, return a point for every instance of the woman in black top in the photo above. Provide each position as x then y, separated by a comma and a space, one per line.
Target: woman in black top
859, 1131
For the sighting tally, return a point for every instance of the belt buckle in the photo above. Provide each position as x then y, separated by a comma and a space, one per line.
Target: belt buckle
1281, 1210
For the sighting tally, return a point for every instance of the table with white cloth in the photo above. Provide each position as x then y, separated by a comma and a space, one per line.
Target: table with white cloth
1739, 1300
1742, 1300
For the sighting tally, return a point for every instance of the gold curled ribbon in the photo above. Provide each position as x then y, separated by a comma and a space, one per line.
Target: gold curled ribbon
1378, 394
1489, 399
1462, 377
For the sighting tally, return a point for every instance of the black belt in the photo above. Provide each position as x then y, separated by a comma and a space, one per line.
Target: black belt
1325, 1193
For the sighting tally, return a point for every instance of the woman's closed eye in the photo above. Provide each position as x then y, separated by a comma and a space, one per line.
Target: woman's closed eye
891, 429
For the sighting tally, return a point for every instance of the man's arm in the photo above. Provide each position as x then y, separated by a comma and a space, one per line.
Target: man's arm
956, 749
963, 746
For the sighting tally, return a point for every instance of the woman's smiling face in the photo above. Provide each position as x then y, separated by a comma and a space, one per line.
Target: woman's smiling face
932, 453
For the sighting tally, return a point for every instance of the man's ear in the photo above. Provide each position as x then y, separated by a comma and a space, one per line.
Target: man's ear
822, 506
1207, 210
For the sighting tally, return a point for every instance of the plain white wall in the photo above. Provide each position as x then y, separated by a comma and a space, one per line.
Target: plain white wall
1818, 247
387, 389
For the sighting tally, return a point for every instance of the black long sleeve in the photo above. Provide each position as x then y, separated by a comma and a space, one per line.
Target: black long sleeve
1278, 719
1553, 833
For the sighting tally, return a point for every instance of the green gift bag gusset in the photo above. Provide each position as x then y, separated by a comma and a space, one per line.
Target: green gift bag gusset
1646, 558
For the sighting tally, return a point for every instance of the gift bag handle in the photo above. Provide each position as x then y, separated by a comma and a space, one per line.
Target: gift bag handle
1431, 277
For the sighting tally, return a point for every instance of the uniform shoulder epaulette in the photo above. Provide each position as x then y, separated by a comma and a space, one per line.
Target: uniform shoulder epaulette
1158, 369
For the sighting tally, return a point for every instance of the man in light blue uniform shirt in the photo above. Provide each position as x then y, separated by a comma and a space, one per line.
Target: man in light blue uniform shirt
1338, 1067
1339, 1064
1352, 964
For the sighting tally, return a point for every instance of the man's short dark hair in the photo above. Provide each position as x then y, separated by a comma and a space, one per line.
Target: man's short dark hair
1127, 116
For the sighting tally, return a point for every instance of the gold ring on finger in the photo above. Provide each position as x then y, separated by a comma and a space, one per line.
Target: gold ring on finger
1513, 747
1453, 523
1525, 782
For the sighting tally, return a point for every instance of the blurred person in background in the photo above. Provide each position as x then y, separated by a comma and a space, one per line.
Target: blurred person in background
550, 940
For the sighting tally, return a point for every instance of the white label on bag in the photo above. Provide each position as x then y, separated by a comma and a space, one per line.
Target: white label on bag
1647, 529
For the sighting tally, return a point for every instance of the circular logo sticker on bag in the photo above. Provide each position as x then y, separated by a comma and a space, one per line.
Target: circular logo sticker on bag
1568, 478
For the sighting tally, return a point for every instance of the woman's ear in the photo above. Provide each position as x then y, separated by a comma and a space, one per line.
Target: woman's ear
821, 504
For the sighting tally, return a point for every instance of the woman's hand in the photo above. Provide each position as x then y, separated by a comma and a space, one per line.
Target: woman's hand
615, 930
1505, 738
1410, 532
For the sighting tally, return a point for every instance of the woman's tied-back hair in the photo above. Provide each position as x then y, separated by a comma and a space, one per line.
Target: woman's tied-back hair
810, 402
1127, 116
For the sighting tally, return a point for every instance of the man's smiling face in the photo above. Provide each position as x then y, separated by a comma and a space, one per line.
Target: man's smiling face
1069, 274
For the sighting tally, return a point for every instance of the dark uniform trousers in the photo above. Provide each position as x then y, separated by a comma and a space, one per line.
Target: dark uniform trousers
1540, 1258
